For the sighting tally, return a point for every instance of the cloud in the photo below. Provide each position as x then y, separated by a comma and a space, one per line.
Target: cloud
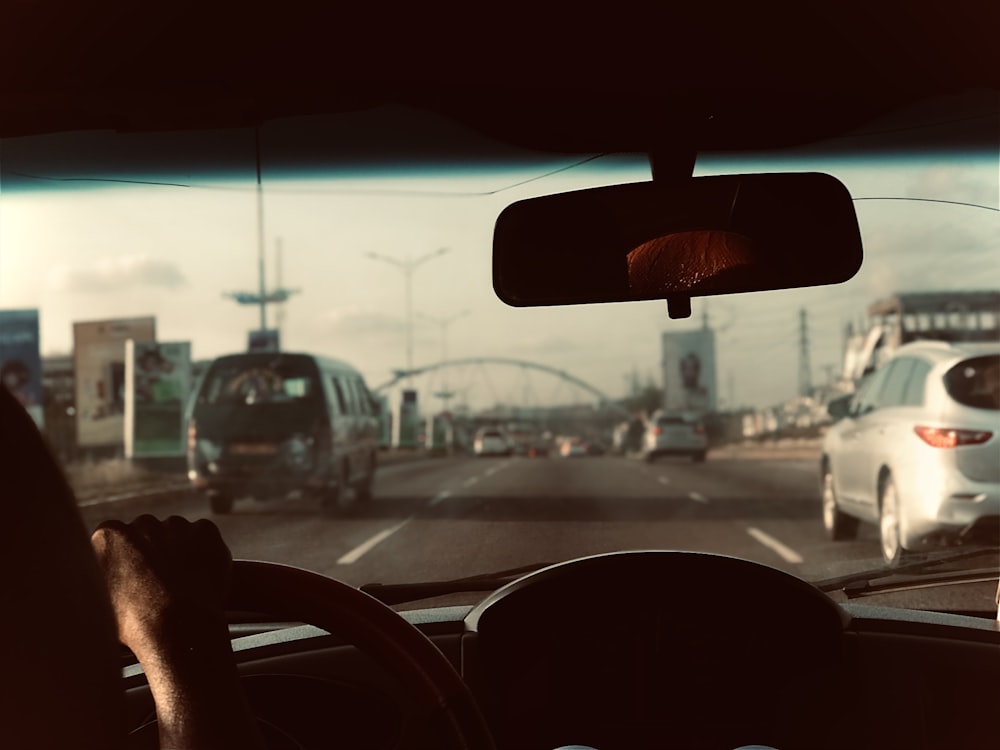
113, 274
956, 183
357, 322
551, 345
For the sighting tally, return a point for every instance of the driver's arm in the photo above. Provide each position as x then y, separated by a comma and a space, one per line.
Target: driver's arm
167, 582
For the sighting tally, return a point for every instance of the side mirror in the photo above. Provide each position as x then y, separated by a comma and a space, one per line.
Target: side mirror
840, 407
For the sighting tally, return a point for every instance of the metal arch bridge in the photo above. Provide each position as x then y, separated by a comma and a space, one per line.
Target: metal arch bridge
400, 375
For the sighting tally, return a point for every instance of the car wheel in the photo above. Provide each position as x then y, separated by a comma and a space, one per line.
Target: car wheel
363, 491
890, 535
339, 499
220, 503
698, 457
838, 525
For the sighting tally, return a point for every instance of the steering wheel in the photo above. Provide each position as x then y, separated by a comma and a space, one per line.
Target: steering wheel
295, 594
303, 596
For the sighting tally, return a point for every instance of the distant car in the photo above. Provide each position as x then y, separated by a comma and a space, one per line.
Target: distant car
917, 450
674, 435
536, 449
492, 441
572, 447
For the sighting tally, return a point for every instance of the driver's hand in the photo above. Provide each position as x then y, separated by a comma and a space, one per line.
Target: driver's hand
163, 577
168, 582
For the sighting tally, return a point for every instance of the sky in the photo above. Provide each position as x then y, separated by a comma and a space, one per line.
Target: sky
122, 251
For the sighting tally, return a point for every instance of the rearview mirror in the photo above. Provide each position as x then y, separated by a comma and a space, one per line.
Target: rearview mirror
697, 237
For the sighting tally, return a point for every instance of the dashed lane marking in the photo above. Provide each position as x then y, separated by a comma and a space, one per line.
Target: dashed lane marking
787, 553
355, 554
697, 497
443, 495
470, 481
663, 480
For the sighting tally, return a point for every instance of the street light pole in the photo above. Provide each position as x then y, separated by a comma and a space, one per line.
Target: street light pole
408, 265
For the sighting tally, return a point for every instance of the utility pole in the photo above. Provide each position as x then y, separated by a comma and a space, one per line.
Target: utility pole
262, 297
279, 316
805, 369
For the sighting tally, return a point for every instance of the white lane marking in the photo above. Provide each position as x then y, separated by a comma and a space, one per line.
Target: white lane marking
787, 553
491, 471
355, 554
697, 497
134, 495
443, 495
663, 480
470, 481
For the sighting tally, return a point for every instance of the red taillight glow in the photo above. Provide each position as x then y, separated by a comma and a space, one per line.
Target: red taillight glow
657, 431
946, 437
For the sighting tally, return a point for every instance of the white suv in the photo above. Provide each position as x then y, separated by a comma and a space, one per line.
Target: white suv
917, 450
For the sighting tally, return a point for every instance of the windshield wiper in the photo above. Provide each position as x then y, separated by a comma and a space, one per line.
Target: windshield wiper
400, 593
912, 575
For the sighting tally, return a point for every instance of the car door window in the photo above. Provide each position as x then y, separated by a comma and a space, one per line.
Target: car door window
866, 399
898, 376
340, 401
361, 397
914, 393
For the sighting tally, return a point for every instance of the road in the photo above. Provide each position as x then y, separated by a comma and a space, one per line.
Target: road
438, 519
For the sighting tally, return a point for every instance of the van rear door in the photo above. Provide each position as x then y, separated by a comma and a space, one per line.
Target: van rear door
250, 404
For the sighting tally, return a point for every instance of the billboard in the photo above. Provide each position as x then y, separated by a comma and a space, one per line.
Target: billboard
20, 361
99, 363
157, 384
689, 380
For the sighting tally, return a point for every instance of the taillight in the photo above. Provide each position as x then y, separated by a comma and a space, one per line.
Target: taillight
192, 436
699, 429
657, 430
946, 437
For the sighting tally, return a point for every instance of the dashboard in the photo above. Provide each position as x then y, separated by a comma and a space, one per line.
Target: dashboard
640, 650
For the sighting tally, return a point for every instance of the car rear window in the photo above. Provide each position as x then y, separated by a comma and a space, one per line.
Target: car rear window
245, 382
975, 382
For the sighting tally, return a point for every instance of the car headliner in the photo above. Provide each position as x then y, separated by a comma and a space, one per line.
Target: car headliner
622, 78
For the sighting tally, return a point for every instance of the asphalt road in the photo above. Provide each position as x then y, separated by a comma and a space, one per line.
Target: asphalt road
439, 519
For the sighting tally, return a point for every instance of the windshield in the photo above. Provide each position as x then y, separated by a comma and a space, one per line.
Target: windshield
387, 268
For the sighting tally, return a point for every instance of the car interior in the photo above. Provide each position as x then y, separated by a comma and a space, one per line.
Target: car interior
664, 648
